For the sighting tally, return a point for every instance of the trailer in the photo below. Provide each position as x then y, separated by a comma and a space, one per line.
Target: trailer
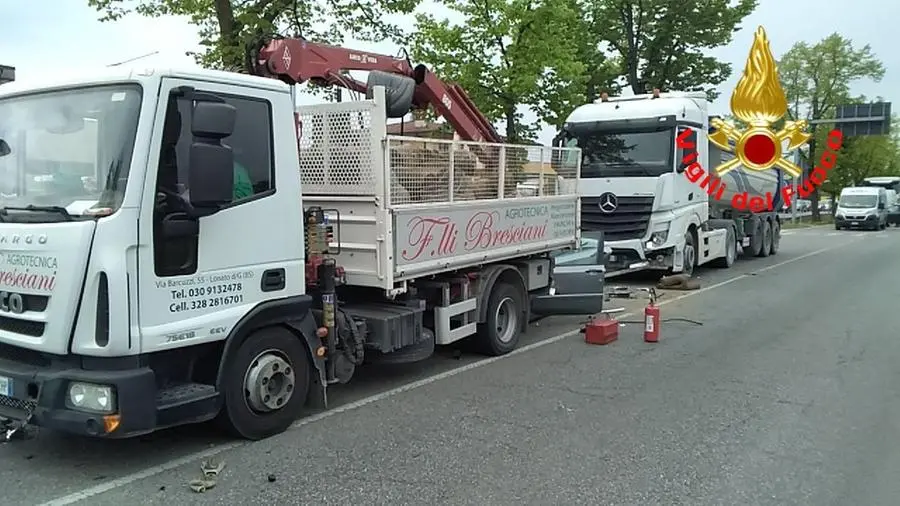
221, 267
636, 191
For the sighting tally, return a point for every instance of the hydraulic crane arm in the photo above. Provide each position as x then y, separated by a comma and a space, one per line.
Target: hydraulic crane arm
297, 61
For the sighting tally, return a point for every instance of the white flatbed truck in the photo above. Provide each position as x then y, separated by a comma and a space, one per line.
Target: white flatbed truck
211, 272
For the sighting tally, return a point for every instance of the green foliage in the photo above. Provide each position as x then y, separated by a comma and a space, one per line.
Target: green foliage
506, 53
665, 43
226, 27
859, 158
818, 77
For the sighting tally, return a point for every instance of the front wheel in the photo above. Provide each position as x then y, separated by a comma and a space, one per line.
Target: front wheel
730, 250
689, 253
266, 384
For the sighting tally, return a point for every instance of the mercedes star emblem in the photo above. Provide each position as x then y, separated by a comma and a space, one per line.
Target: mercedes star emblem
608, 202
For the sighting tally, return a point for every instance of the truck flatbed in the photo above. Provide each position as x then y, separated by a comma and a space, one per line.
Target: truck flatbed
408, 207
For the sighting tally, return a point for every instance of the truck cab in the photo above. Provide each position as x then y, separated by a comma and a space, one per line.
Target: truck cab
632, 189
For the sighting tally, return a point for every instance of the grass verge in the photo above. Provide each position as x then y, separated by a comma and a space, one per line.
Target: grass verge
806, 222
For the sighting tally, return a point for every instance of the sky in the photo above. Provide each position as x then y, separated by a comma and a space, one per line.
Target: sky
68, 37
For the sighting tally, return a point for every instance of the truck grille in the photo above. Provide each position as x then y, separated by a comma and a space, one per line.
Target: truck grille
35, 303
628, 221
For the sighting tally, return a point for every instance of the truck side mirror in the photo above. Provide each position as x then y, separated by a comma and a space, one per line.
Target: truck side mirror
211, 177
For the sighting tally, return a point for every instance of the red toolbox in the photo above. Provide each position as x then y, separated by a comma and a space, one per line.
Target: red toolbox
601, 331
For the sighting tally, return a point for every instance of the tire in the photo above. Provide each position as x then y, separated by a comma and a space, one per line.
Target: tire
883, 226
776, 237
270, 356
837, 227
730, 250
690, 255
756, 239
766, 239
500, 334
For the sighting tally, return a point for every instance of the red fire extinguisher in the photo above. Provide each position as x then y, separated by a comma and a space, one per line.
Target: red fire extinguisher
651, 319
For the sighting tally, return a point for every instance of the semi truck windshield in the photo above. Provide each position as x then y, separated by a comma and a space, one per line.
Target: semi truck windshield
624, 154
68, 149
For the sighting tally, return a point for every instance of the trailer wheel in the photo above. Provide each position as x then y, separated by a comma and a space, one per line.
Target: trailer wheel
266, 384
776, 237
766, 239
689, 255
500, 334
730, 250
756, 239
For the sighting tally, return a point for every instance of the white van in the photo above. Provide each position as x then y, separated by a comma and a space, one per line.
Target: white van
862, 207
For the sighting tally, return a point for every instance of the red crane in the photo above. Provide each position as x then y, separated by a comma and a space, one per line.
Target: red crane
297, 61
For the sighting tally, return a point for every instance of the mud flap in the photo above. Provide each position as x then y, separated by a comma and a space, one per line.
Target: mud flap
318, 395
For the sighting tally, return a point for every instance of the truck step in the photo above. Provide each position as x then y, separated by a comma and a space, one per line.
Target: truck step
194, 401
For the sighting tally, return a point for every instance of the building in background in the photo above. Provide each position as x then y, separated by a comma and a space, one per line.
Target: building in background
7, 74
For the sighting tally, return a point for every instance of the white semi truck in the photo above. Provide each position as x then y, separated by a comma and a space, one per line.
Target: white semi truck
635, 190
215, 271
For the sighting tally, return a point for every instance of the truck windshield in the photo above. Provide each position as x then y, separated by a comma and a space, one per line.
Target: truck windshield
66, 151
858, 201
622, 154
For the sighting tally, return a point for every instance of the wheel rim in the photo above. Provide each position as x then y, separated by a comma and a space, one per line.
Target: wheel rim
269, 382
688, 259
506, 318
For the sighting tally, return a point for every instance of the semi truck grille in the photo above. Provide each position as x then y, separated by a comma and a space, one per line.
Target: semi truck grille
629, 220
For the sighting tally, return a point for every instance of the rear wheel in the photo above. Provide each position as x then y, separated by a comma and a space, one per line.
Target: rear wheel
756, 239
500, 333
266, 384
776, 237
766, 246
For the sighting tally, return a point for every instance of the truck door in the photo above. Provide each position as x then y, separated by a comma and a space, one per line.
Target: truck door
196, 288
688, 192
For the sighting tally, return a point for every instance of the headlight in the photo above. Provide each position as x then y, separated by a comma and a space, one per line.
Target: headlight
91, 397
659, 238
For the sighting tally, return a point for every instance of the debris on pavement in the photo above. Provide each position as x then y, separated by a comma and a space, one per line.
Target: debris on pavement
210, 474
678, 282
11, 430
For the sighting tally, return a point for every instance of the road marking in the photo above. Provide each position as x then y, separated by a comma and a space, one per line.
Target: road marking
788, 233
831, 234
211, 452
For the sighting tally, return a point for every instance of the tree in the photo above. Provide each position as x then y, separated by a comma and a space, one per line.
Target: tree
665, 43
859, 158
226, 28
506, 53
818, 77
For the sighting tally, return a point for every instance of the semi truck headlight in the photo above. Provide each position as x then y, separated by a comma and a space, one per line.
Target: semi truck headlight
659, 237
91, 397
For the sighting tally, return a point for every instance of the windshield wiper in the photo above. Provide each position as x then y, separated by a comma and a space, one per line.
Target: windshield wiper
61, 211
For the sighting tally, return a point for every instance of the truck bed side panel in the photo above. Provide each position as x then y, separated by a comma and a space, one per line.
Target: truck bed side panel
436, 238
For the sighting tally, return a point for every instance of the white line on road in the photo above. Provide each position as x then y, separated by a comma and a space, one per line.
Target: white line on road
173, 464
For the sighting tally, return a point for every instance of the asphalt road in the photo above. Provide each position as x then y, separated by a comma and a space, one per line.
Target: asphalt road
787, 393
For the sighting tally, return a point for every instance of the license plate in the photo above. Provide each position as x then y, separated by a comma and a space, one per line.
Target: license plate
5, 386
854, 223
